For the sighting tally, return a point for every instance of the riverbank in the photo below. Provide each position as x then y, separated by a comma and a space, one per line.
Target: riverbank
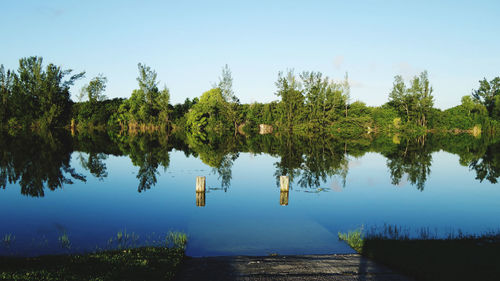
146, 263
461, 257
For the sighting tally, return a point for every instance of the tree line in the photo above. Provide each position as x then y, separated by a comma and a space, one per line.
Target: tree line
308, 103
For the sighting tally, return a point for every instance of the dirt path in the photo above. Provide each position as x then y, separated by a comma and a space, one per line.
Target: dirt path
309, 267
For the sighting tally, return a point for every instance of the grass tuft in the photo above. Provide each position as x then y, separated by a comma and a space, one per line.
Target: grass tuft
354, 238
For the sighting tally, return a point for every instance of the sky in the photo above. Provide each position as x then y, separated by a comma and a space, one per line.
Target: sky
188, 43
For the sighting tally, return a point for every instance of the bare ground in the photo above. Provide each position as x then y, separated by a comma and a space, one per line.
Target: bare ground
309, 267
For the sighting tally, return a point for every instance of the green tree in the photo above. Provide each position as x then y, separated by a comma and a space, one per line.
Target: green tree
347, 92
6, 84
207, 114
324, 99
147, 104
42, 95
399, 97
487, 94
291, 108
94, 90
231, 102
415, 103
423, 101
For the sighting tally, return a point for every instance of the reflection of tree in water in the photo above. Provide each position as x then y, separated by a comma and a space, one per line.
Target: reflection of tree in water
42, 160
412, 158
224, 169
218, 152
488, 166
312, 161
94, 163
36, 161
148, 152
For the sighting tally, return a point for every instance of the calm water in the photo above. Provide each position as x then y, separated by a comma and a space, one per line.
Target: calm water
90, 188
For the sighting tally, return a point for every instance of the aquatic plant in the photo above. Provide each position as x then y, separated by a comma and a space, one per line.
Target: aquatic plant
175, 239
64, 241
354, 238
8, 239
124, 240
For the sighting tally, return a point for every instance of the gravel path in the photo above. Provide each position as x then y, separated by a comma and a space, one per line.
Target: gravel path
309, 267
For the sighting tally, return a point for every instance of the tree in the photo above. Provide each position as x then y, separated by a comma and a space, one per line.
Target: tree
399, 97
487, 93
6, 84
147, 104
94, 90
414, 102
292, 99
422, 98
347, 92
42, 95
206, 115
231, 102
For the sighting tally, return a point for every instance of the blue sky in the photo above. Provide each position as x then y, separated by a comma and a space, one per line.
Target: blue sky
188, 42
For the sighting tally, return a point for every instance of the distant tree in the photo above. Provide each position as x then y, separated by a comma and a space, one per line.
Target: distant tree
147, 104
94, 90
414, 102
207, 114
42, 95
231, 102
399, 96
292, 99
323, 98
423, 101
347, 92
487, 94
6, 84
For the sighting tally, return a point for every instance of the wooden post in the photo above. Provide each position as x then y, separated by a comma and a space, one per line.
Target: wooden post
284, 183
200, 199
73, 127
200, 191
284, 198
200, 184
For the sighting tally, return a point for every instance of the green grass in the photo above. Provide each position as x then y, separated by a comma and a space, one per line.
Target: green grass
8, 239
353, 238
144, 263
426, 257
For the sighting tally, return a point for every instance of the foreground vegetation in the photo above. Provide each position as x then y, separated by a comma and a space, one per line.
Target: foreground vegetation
144, 263
149, 263
457, 257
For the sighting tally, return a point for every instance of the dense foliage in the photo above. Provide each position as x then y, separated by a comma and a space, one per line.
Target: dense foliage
34, 96
309, 103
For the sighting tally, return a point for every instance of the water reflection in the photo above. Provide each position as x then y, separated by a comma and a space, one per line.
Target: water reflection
36, 162
39, 160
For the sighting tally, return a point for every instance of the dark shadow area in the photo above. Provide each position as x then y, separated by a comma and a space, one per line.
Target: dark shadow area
450, 259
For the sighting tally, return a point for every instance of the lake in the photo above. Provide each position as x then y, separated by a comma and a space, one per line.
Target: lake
88, 188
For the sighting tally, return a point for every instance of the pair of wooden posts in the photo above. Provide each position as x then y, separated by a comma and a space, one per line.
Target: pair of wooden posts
201, 188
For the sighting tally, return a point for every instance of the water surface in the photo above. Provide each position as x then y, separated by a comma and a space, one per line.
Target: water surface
89, 188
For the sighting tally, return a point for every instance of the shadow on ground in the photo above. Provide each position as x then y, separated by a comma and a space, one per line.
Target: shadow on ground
439, 260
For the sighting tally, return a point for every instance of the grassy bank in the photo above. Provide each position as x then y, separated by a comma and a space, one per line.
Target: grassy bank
457, 257
143, 263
